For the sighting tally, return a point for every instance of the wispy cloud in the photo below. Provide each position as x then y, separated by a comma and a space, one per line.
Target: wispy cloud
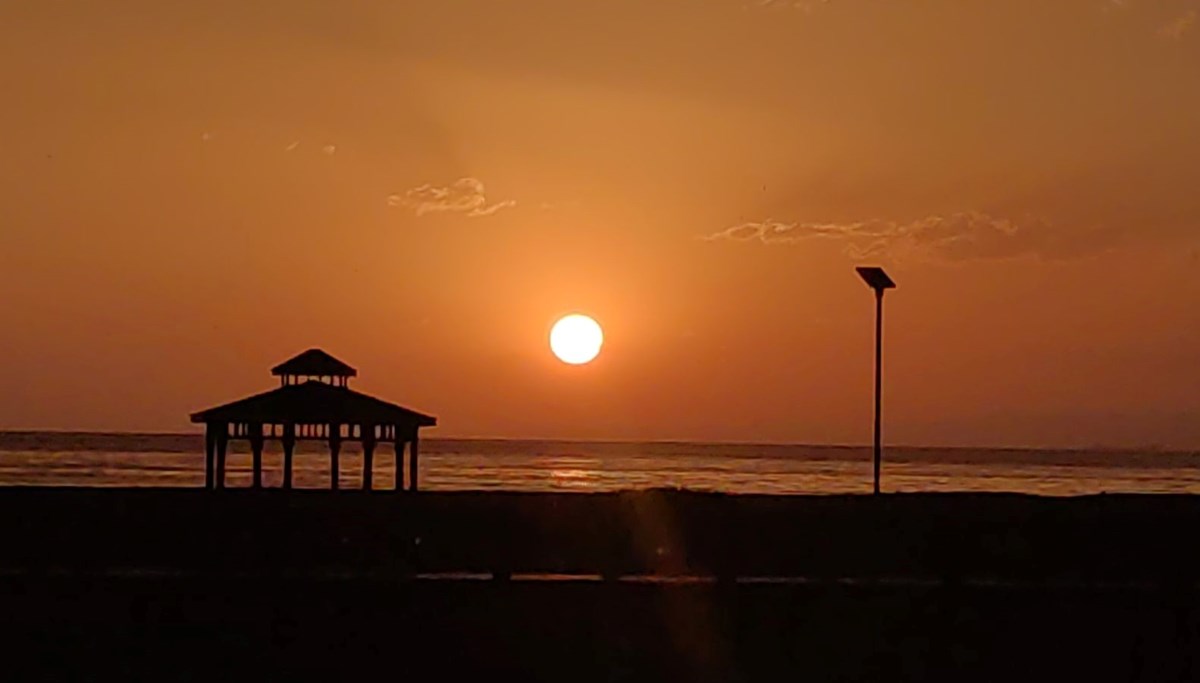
802, 5
466, 196
1177, 28
1174, 29
961, 236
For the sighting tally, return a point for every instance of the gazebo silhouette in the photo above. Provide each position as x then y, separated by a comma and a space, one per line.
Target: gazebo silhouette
313, 403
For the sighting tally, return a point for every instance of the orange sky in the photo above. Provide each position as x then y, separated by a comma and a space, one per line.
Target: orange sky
190, 195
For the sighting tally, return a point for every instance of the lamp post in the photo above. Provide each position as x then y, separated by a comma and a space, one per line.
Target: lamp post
879, 281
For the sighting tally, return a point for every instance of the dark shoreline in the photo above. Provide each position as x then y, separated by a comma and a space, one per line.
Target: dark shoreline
247, 583
1004, 536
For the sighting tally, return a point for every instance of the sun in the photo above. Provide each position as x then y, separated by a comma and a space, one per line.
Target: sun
576, 339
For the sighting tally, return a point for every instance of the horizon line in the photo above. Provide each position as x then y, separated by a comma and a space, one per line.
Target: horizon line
1102, 448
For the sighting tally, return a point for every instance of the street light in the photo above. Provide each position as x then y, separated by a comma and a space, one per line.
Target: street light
879, 281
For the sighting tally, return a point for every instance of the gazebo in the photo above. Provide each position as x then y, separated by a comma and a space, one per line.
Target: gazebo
313, 402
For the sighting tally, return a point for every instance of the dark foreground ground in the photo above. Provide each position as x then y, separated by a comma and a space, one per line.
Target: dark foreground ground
342, 630
185, 585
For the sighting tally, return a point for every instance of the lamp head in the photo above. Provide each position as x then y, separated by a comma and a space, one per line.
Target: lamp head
875, 278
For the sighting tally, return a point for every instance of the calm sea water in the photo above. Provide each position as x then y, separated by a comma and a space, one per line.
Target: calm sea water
59, 459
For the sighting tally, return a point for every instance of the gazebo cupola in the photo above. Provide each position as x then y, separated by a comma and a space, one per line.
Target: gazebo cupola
314, 365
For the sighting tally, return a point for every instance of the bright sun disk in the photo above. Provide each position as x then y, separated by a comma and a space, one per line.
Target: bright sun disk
576, 339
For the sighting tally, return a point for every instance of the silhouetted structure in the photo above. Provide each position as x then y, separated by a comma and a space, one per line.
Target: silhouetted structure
879, 281
313, 402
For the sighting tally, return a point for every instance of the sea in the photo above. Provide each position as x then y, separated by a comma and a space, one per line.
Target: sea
177, 460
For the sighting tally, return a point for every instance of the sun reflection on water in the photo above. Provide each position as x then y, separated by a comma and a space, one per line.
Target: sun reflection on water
573, 478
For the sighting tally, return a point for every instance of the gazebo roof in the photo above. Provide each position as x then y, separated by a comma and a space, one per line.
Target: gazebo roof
314, 363
314, 403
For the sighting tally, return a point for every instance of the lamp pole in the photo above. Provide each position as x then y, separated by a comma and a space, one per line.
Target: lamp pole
878, 384
879, 281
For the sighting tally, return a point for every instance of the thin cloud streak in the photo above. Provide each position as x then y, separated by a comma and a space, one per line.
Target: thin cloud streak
802, 5
1179, 27
466, 196
961, 236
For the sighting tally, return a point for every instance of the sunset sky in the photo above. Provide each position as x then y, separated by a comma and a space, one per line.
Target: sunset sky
193, 192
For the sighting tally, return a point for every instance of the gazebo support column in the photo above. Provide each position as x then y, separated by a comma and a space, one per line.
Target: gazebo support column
368, 446
256, 449
210, 454
399, 461
289, 449
222, 446
413, 458
335, 449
